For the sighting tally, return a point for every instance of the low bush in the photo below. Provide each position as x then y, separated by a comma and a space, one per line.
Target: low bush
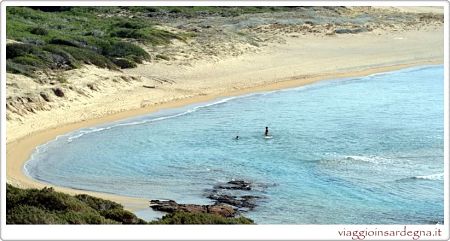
98, 203
129, 24
58, 58
25, 214
88, 56
29, 60
122, 216
200, 218
16, 68
119, 49
124, 63
126, 33
39, 31
45, 206
65, 41
17, 49
62, 38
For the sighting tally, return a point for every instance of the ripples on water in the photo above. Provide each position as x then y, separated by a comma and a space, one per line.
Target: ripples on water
354, 151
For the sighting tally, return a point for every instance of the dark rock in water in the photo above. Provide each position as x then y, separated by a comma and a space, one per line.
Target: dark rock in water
171, 206
235, 185
237, 194
246, 201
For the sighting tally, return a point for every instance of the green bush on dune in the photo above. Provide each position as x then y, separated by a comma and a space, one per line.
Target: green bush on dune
46, 206
33, 206
64, 38
199, 218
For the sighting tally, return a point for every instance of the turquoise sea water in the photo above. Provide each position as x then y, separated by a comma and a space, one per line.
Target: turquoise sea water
351, 151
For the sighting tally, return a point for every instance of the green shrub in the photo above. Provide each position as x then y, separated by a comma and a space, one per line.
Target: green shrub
17, 49
122, 216
29, 60
98, 203
199, 218
15, 68
58, 58
39, 31
90, 57
63, 41
74, 217
45, 206
157, 36
129, 24
25, 214
124, 63
121, 49
126, 33
48, 199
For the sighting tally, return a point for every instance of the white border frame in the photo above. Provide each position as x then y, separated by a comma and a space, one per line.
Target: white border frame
208, 232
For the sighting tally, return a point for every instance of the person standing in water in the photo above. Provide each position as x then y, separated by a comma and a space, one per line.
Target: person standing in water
267, 131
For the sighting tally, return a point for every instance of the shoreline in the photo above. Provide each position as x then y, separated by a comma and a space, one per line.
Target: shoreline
19, 151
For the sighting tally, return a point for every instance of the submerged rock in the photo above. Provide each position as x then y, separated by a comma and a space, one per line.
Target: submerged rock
171, 206
240, 194
235, 185
241, 202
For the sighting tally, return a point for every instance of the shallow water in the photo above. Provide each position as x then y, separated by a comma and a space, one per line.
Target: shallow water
352, 151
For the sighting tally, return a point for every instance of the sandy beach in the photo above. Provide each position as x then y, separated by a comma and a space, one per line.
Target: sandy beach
297, 61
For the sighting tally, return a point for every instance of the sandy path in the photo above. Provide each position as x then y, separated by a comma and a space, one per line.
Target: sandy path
300, 61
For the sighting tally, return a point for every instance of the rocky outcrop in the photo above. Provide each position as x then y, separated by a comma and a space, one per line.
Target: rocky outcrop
171, 206
229, 198
241, 202
235, 185
58, 92
242, 195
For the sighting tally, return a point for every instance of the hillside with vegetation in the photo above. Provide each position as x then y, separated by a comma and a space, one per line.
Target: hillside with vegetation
63, 38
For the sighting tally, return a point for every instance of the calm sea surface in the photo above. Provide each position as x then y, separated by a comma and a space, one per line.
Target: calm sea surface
352, 151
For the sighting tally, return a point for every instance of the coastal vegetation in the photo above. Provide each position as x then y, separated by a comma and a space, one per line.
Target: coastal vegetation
47, 206
199, 218
42, 39
63, 39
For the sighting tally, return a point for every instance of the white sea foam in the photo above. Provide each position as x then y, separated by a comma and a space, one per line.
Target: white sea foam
368, 159
438, 176
75, 135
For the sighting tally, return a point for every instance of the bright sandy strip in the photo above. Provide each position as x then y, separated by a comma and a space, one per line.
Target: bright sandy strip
300, 61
